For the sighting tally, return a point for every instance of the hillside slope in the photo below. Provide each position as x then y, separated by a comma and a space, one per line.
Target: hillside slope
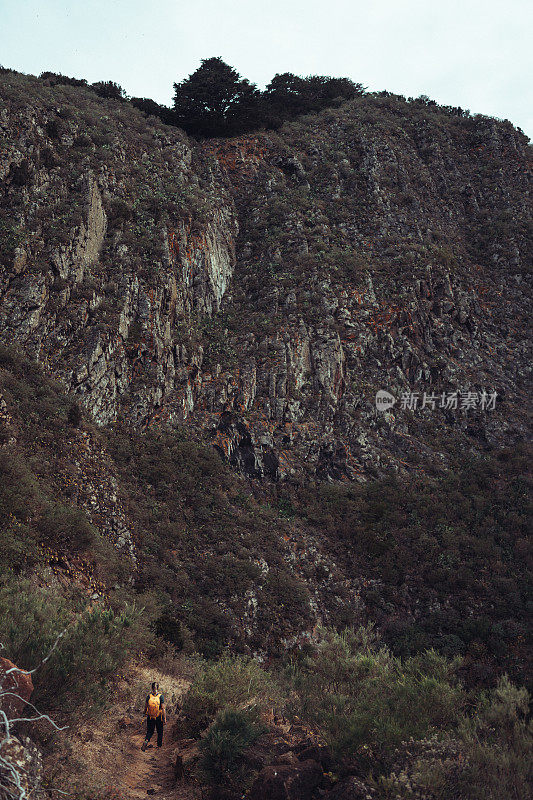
253, 294
192, 335
261, 290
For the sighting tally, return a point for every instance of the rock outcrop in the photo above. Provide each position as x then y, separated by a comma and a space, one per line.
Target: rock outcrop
16, 688
20, 759
261, 290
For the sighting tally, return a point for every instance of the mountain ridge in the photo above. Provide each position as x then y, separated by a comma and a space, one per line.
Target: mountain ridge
192, 337
262, 289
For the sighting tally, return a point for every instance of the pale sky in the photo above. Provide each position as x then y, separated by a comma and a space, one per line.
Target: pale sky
477, 54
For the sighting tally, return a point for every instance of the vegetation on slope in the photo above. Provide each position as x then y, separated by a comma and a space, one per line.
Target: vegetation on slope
407, 728
438, 562
200, 538
449, 557
215, 101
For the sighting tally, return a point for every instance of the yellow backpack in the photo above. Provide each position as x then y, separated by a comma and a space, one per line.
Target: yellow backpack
154, 703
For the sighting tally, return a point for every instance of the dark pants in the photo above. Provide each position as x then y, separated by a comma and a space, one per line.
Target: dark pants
151, 725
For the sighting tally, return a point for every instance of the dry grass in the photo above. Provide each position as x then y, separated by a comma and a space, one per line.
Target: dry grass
101, 757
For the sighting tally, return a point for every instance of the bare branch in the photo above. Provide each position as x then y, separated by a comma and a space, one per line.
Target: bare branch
11, 773
45, 659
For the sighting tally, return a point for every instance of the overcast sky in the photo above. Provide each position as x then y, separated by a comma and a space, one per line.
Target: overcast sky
472, 53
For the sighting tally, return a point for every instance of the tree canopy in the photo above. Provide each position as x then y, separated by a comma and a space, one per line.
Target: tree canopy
288, 95
215, 100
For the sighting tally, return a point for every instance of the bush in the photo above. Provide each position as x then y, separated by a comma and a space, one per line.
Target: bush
47, 158
365, 701
169, 628
66, 528
11, 237
54, 128
93, 649
232, 683
490, 757
95, 643
19, 493
498, 746
109, 90
119, 211
438, 539
75, 415
55, 78
20, 174
224, 744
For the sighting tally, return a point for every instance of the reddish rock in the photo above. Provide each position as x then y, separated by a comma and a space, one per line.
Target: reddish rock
14, 683
287, 781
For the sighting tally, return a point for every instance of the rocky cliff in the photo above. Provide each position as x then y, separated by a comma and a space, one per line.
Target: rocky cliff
261, 290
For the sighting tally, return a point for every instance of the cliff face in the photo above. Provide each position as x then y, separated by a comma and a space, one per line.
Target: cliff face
250, 297
107, 242
261, 290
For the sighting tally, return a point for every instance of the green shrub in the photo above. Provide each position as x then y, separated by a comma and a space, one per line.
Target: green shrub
200, 544
99, 642
67, 528
30, 619
458, 539
75, 415
19, 493
11, 237
94, 643
169, 628
20, 174
19, 549
232, 731
231, 683
498, 746
366, 701
490, 756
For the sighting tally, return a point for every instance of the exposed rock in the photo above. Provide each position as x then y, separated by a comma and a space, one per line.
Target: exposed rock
20, 766
287, 782
15, 689
260, 290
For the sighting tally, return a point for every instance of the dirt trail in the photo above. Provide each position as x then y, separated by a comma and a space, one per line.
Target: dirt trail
107, 754
150, 772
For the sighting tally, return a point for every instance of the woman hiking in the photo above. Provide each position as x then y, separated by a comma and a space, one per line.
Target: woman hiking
156, 715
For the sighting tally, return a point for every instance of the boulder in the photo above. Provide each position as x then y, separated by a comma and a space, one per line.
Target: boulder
350, 788
23, 760
18, 687
287, 781
317, 753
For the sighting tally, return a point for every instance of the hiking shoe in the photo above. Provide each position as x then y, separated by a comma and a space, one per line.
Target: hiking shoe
143, 748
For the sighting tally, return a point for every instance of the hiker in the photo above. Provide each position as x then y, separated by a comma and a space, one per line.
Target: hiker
156, 715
